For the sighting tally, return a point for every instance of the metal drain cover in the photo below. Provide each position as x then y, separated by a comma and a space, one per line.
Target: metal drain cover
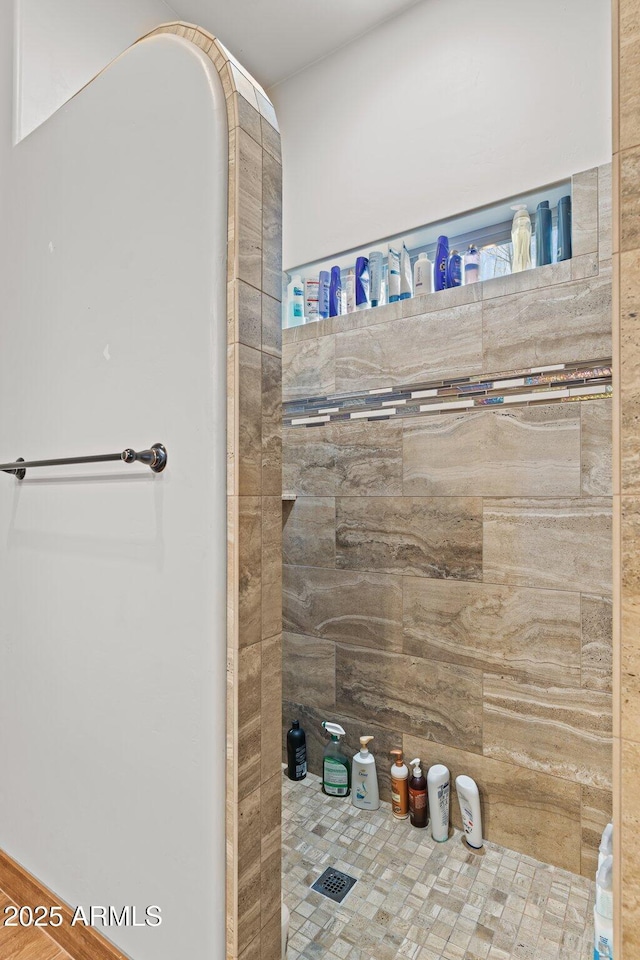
334, 884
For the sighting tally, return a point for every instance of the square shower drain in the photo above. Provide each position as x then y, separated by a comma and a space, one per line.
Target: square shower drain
334, 884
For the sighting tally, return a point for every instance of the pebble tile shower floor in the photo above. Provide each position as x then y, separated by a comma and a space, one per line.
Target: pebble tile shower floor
418, 899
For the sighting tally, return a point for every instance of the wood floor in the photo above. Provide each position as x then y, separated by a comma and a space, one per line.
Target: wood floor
26, 943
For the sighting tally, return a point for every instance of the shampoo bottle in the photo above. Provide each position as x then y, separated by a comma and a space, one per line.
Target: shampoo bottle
336, 768
406, 276
422, 275
471, 265
323, 294
521, 239
469, 800
311, 300
375, 277
350, 291
365, 780
454, 269
603, 912
564, 229
362, 283
394, 275
335, 293
296, 752
543, 234
295, 302
399, 787
417, 795
438, 789
440, 264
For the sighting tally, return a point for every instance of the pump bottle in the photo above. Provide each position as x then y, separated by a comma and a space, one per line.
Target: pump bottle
399, 787
521, 239
417, 795
336, 767
365, 780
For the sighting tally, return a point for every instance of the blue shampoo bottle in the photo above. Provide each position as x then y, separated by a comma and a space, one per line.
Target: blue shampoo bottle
454, 269
323, 294
440, 264
335, 293
543, 234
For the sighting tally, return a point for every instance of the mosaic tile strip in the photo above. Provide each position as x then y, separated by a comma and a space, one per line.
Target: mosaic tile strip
558, 383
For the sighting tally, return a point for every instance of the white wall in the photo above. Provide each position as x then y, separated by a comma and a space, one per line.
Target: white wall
451, 106
113, 604
63, 44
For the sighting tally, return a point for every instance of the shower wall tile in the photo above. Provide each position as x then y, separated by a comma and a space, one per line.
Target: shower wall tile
369, 458
629, 372
270, 707
421, 536
630, 620
597, 643
249, 436
309, 459
356, 607
630, 853
549, 275
244, 314
405, 351
562, 731
629, 72
271, 425
310, 368
248, 199
556, 324
249, 718
309, 671
271, 572
249, 570
558, 544
597, 431
249, 869
270, 838
532, 451
596, 813
309, 532
605, 211
271, 325
630, 200
526, 633
411, 694
271, 225
584, 212
513, 796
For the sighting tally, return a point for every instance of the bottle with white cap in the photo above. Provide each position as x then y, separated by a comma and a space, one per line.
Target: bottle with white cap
606, 844
418, 813
603, 912
439, 787
364, 778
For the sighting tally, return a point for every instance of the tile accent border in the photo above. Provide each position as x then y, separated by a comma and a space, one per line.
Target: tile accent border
556, 383
254, 490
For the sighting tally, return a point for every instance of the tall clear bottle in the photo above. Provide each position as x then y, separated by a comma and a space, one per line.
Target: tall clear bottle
521, 239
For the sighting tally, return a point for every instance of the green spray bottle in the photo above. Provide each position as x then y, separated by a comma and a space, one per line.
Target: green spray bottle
336, 766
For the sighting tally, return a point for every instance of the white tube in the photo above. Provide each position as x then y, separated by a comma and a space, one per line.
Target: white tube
394, 274
438, 788
406, 276
469, 800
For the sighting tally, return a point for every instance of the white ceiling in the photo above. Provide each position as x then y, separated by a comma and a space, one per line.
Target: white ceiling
274, 39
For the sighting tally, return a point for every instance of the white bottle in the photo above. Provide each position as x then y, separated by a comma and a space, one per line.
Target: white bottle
311, 288
438, 790
469, 800
295, 302
422, 275
606, 844
364, 779
350, 291
603, 912
521, 239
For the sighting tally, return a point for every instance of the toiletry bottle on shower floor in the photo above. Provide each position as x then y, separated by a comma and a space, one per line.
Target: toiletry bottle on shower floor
364, 793
399, 786
336, 767
296, 752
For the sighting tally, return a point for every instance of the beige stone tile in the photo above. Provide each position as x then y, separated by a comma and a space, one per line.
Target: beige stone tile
270, 709
308, 369
271, 225
309, 460
596, 439
596, 811
605, 221
630, 200
368, 458
353, 606
558, 544
245, 115
513, 797
424, 536
549, 325
422, 348
584, 212
202, 40
249, 400
249, 869
271, 577
271, 140
630, 372
561, 731
311, 719
248, 749
512, 630
530, 451
629, 72
244, 86
550, 274
249, 570
232, 419
597, 647
629, 851
248, 225
585, 266
309, 671
271, 326
411, 694
271, 938
271, 425
309, 532
630, 625
244, 304
441, 300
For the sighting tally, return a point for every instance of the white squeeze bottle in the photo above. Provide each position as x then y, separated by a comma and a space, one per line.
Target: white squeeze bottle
295, 302
422, 275
521, 239
438, 789
606, 844
603, 912
364, 779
